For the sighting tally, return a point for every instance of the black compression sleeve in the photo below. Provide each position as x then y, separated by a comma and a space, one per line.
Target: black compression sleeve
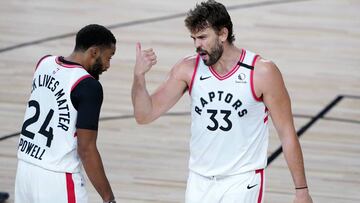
87, 99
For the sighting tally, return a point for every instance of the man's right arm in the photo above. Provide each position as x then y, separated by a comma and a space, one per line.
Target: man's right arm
149, 107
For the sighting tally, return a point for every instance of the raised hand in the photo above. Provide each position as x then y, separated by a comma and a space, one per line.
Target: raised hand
145, 59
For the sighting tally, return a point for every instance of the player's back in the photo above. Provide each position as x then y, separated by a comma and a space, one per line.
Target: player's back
48, 136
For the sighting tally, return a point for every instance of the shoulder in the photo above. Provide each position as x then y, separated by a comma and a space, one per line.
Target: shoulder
90, 87
41, 59
266, 69
184, 68
188, 62
267, 75
44, 57
91, 83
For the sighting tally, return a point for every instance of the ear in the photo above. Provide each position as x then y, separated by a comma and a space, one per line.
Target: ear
223, 34
94, 51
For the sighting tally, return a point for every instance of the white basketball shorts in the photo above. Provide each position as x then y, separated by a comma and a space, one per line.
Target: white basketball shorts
34, 184
242, 188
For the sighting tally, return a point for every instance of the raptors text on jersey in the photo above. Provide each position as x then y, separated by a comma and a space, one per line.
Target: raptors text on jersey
229, 132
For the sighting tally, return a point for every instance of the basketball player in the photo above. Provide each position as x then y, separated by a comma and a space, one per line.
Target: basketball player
59, 132
232, 93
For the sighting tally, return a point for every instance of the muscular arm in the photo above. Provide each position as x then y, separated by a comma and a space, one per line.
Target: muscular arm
269, 83
92, 163
149, 107
87, 99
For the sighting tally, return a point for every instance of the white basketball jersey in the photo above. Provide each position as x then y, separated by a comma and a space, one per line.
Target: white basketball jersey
48, 136
229, 132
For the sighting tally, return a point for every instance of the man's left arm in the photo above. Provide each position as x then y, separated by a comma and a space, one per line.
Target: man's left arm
269, 84
87, 98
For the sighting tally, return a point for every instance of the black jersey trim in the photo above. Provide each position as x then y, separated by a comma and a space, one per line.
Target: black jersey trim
245, 65
232, 71
63, 60
67, 64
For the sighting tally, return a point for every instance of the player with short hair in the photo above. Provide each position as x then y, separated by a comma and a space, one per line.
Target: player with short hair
232, 93
59, 132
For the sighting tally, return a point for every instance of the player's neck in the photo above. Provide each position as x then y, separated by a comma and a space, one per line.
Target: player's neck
77, 57
228, 59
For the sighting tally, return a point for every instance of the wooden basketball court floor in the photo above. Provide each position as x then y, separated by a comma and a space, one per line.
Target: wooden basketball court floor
315, 43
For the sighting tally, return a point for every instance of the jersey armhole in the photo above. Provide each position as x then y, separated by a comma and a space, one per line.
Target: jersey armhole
38, 63
79, 80
259, 99
194, 73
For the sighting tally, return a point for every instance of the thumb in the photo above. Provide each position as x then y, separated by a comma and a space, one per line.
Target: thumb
138, 48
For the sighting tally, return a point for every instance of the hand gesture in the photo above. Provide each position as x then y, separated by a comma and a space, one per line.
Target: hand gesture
145, 59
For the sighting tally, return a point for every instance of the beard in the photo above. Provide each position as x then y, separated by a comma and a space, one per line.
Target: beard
214, 54
96, 69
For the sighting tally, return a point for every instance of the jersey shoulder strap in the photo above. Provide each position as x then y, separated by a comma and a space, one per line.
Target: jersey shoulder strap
249, 60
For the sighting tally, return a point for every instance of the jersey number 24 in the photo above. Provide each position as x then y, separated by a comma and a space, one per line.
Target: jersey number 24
47, 133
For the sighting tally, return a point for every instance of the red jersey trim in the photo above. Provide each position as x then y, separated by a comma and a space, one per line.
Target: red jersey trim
261, 171
79, 80
70, 188
232, 71
266, 118
267, 114
194, 73
259, 99
242, 56
66, 65
38, 63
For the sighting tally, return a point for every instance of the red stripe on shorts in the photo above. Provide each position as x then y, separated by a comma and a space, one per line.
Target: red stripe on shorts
70, 188
261, 171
